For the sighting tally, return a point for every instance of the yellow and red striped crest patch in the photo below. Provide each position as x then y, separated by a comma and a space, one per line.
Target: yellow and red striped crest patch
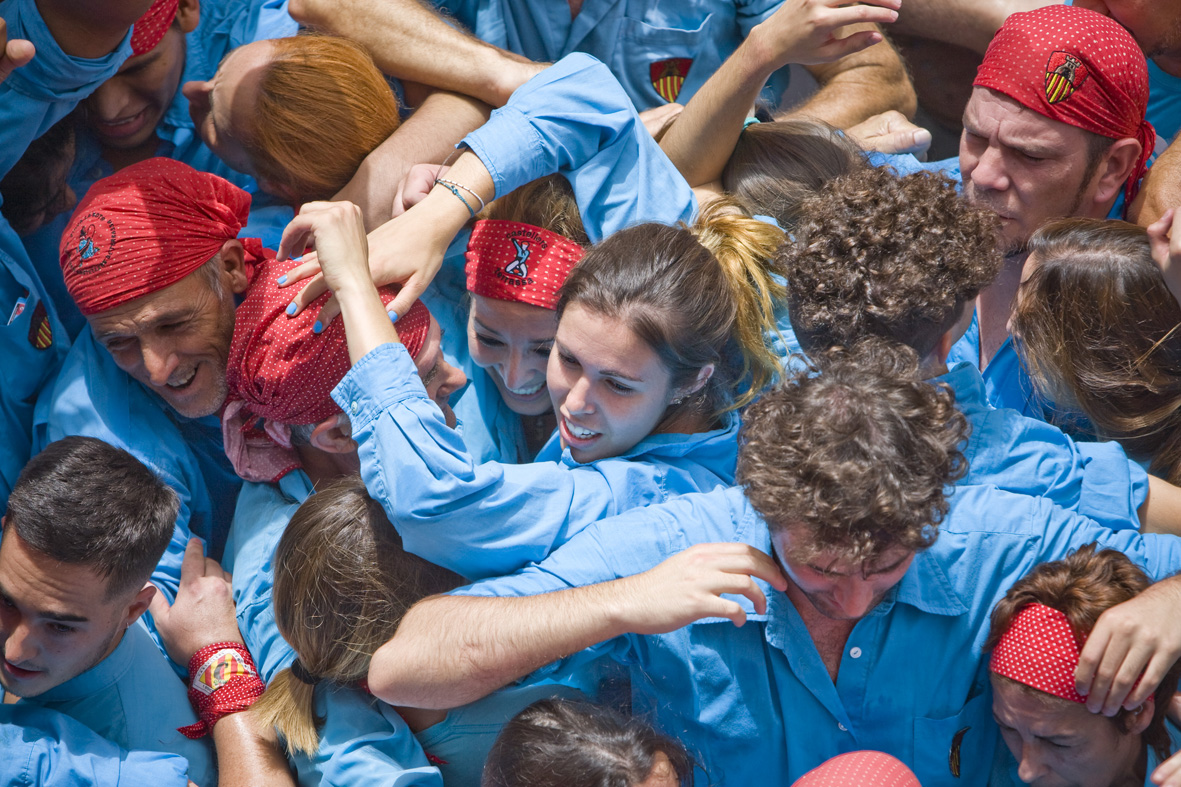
40, 333
1065, 74
219, 669
668, 76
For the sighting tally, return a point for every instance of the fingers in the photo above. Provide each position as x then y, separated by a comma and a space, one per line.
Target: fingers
158, 606
406, 298
297, 235
1168, 773
315, 287
328, 312
192, 567
850, 45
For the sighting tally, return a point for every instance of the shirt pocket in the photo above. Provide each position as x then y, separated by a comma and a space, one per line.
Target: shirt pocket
957, 750
657, 65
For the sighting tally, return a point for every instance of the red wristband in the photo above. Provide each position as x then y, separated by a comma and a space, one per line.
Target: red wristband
222, 680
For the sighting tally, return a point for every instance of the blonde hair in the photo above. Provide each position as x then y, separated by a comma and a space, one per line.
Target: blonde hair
342, 584
323, 106
547, 203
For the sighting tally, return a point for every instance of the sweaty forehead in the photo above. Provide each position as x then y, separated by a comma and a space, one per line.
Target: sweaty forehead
176, 302
989, 110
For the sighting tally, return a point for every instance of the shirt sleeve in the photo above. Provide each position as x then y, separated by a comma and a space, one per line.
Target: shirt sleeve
1065, 531
574, 118
477, 519
42, 746
1114, 486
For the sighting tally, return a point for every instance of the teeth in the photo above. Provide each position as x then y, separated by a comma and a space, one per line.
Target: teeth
527, 391
579, 432
181, 383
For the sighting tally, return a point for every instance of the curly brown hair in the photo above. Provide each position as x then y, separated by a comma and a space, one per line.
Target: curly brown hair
1084, 586
882, 255
857, 450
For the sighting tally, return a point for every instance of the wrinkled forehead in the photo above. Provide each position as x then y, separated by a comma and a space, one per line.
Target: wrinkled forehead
177, 302
990, 111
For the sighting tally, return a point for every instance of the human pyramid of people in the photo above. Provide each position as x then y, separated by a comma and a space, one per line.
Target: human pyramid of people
525, 393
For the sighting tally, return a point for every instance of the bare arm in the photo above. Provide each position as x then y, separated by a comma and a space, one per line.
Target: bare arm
427, 136
1160, 190
249, 755
90, 28
859, 86
411, 41
489, 642
1161, 510
966, 23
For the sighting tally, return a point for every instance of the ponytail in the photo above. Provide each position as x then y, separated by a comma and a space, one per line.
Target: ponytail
287, 705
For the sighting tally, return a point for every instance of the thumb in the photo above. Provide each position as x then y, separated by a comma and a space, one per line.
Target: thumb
401, 304
15, 54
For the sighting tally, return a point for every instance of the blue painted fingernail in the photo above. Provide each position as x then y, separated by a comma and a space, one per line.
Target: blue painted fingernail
393, 316
283, 279
291, 308
319, 326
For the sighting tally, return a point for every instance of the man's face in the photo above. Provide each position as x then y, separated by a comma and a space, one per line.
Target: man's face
175, 341
1155, 24
1024, 166
440, 378
125, 110
56, 621
836, 587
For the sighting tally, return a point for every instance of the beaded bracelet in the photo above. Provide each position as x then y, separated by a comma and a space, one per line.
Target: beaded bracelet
446, 182
458, 196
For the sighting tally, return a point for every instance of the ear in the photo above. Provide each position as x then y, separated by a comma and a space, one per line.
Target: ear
1115, 169
188, 14
1142, 716
703, 376
334, 435
233, 261
139, 604
281, 190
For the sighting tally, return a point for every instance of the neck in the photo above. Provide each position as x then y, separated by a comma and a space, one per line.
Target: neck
828, 635
994, 306
120, 158
932, 366
1170, 63
323, 468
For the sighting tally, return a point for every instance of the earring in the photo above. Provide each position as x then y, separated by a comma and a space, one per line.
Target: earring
677, 400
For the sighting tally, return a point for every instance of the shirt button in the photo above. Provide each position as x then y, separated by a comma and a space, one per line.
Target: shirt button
841, 727
354, 407
855, 653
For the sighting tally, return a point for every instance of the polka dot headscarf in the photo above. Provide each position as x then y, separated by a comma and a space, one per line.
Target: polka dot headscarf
511, 261
860, 769
144, 228
151, 27
1077, 67
1040, 650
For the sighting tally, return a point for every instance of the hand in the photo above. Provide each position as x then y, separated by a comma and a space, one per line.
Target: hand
1136, 640
203, 612
1166, 249
14, 53
890, 132
688, 587
805, 31
659, 120
415, 186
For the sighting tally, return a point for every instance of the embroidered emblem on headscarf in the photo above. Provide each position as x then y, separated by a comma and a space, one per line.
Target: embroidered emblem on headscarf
92, 239
1065, 74
668, 76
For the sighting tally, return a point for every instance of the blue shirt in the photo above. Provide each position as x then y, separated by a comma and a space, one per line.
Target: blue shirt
133, 699
46, 747
756, 703
1164, 104
633, 37
94, 397
1032, 457
488, 519
573, 119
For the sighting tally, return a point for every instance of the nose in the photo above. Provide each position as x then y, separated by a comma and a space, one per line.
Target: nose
19, 647
989, 173
1031, 768
519, 372
452, 380
578, 399
854, 595
111, 101
159, 360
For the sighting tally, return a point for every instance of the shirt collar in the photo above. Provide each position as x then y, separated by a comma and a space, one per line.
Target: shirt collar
968, 385
926, 586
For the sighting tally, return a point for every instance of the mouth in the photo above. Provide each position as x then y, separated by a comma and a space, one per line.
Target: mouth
122, 127
576, 436
180, 381
526, 393
18, 672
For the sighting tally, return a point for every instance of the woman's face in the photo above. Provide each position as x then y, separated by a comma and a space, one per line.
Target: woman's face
1059, 743
221, 107
608, 388
512, 341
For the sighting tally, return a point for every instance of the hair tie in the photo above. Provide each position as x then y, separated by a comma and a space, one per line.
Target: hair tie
750, 121
301, 673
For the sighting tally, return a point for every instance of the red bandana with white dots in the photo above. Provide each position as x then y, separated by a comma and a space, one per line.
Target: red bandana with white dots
512, 261
1077, 67
1040, 650
860, 769
151, 27
222, 680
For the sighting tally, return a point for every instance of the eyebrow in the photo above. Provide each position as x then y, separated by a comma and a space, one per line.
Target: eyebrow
602, 372
484, 326
176, 315
60, 617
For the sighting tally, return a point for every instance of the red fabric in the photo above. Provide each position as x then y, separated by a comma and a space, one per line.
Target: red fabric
280, 371
1040, 650
511, 261
147, 227
222, 680
151, 27
1077, 67
860, 769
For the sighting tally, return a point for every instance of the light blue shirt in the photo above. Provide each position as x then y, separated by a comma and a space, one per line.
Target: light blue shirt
44, 747
1031, 457
133, 699
576, 120
756, 704
630, 36
487, 519
1164, 104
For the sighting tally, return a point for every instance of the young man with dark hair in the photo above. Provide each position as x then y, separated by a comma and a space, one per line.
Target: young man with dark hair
85, 527
864, 605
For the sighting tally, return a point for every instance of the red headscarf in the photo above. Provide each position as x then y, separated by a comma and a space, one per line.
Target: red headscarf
511, 261
1077, 67
151, 27
147, 227
282, 372
860, 769
1040, 650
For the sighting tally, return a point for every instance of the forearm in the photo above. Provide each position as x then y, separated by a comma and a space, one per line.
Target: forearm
858, 87
248, 754
966, 23
488, 643
90, 28
427, 136
1161, 511
409, 40
1160, 190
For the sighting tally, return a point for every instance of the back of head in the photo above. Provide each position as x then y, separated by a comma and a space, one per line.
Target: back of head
564, 743
323, 106
35, 189
84, 502
1081, 588
1097, 329
697, 296
857, 451
342, 584
879, 255
775, 166
547, 203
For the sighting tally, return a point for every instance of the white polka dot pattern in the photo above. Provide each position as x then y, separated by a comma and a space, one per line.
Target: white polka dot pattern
1040, 650
151, 27
513, 261
860, 769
